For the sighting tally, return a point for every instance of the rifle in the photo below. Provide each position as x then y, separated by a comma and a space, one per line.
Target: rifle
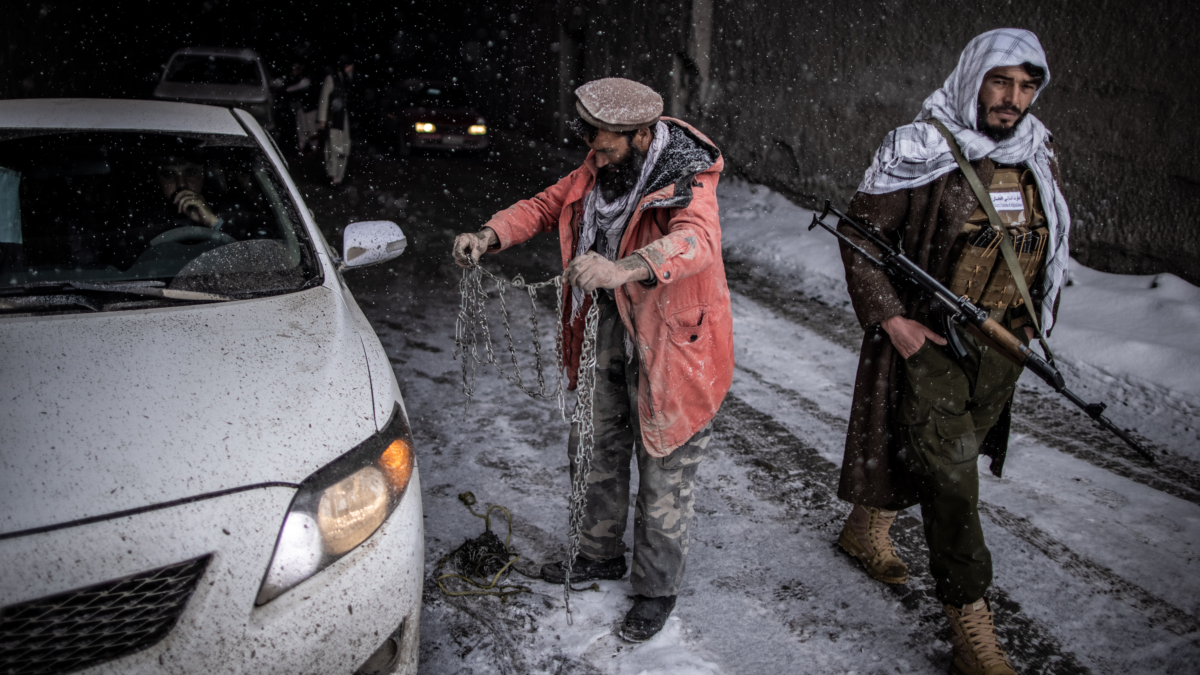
961, 311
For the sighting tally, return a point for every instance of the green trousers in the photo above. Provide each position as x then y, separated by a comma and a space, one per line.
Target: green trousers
946, 411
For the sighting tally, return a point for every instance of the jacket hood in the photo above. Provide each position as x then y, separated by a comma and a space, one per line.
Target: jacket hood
688, 153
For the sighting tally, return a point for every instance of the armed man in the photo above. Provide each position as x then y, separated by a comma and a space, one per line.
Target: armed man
921, 414
639, 223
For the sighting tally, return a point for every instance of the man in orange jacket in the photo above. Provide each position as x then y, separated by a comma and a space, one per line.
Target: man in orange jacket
638, 222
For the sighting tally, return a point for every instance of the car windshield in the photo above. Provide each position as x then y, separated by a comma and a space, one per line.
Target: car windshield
438, 97
200, 69
190, 215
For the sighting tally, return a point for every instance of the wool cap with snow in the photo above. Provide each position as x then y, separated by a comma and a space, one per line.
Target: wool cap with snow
617, 104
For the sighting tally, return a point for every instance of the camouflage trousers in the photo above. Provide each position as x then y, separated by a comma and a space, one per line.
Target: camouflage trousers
663, 512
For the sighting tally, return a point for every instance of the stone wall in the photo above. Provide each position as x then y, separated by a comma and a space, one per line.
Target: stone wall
798, 93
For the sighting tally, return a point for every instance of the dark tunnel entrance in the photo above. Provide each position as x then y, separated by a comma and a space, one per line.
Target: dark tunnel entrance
797, 94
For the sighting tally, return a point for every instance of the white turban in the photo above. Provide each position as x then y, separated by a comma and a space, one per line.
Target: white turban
917, 154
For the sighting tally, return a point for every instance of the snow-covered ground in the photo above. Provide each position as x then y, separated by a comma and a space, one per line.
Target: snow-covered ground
1095, 553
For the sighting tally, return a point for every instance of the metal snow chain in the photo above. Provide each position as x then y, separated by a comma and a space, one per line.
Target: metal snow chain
473, 323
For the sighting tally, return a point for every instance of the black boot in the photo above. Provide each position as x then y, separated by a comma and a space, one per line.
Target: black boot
585, 569
647, 617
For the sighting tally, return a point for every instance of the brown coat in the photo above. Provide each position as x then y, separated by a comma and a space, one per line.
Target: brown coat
926, 221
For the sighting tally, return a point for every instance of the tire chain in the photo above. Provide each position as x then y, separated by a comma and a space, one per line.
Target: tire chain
472, 324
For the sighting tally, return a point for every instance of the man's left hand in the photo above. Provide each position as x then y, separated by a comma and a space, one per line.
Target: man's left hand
592, 270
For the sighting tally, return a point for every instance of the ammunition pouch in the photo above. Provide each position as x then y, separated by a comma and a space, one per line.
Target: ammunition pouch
976, 273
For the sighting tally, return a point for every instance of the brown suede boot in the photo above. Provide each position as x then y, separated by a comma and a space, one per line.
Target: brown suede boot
977, 651
865, 536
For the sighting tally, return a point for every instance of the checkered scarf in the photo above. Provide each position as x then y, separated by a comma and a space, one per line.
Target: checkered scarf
916, 154
613, 217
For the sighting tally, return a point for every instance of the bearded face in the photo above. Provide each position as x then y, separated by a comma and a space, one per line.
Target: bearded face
996, 132
1005, 96
618, 178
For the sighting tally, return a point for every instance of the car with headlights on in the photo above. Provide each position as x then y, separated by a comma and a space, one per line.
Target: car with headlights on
432, 115
206, 465
219, 76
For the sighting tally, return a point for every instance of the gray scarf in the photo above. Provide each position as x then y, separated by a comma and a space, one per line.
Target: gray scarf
612, 217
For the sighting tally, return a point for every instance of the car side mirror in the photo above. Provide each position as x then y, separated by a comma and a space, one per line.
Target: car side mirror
371, 242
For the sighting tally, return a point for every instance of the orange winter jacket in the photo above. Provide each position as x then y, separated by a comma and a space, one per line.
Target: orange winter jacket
680, 322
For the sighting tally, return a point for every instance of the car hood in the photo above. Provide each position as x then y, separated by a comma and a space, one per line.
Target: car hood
443, 115
211, 93
114, 411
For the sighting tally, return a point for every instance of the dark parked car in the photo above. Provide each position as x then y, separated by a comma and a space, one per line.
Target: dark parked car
230, 78
432, 115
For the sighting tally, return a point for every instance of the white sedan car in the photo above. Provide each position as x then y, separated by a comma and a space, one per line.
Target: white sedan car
205, 461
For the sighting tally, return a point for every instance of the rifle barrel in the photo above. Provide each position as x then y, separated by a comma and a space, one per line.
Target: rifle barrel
1096, 412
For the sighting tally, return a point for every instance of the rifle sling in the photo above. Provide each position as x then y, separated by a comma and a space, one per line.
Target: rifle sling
1006, 246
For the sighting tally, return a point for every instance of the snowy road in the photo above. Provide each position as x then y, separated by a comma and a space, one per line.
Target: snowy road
1095, 553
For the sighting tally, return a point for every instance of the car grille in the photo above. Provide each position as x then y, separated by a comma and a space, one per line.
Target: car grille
88, 626
453, 129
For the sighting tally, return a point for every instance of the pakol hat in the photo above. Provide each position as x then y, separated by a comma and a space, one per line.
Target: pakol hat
617, 104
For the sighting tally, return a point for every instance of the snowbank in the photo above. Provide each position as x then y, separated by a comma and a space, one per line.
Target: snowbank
1129, 340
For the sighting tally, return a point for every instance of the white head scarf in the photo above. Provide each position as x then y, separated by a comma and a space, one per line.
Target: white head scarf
917, 154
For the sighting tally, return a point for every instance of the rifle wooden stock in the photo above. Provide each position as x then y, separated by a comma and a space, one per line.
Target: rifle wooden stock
997, 337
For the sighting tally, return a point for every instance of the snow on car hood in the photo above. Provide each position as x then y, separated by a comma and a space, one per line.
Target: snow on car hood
214, 93
112, 411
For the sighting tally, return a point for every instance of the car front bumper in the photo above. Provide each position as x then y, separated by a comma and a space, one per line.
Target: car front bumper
330, 623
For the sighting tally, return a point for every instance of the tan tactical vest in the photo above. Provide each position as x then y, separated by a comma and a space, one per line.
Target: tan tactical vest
980, 272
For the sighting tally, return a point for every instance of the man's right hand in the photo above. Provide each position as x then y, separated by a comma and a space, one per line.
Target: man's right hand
468, 247
908, 335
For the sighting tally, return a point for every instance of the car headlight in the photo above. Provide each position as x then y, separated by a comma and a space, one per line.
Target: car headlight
425, 128
341, 506
477, 129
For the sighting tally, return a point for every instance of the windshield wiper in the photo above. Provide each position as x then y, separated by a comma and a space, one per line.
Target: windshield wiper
153, 289
48, 301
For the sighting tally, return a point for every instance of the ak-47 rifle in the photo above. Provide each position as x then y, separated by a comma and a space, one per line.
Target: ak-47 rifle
956, 310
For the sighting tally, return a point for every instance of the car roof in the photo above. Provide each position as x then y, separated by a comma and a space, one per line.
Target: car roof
420, 83
241, 53
117, 114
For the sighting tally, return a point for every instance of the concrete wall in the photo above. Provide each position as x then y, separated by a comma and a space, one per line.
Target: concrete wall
798, 93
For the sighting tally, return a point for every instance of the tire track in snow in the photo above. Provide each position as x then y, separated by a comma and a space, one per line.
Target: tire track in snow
1037, 412
1158, 612
1101, 578
784, 469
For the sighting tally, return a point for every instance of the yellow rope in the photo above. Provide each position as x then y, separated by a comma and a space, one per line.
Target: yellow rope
492, 587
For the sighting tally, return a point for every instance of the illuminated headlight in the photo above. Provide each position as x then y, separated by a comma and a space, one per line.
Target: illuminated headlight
341, 506
477, 129
425, 128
